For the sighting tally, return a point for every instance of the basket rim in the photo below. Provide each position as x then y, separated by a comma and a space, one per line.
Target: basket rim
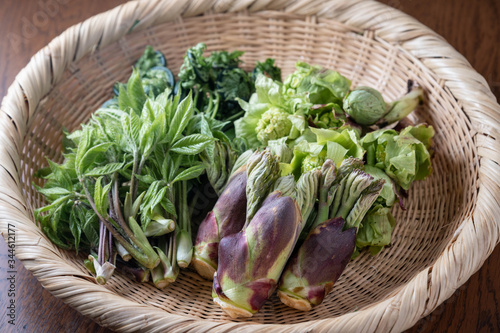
418, 298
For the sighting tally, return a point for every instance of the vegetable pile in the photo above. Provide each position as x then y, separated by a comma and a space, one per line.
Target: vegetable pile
306, 172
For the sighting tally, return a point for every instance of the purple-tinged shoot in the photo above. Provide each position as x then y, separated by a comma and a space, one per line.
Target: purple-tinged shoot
314, 268
251, 261
227, 218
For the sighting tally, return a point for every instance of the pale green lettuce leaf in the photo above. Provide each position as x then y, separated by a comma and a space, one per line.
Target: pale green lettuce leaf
376, 229
320, 85
387, 195
403, 156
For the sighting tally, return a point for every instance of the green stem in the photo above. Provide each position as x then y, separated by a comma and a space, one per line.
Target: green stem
210, 105
142, 258
217, 98
235, 116
133, 180
116, 208
323, 208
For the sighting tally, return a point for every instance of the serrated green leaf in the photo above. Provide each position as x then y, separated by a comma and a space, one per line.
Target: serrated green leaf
43, 172
61, 175
53, 205
151, 134
168, 206
101, 196
56, 217
74, 226
151, 191
53, 192
191, 145
158, 197
90, 226
90, 155
131, 125
146, 179
180, 119
193, 172
148, 114
104, 170
173, 166
205, 127
98, 195
147, 138
135, 92
205, 130
160, 103
171, 107
159, 126
84, 144
124, 102
222, 137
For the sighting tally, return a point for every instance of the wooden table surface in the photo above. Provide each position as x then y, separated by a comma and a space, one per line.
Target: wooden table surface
470, 26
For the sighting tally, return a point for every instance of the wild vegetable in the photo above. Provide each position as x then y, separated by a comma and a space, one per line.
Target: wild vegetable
227, 218
313, 270
306, 172
122, 172
367, 106
217, 81
345, 194
154, 74
404, 156
250, 262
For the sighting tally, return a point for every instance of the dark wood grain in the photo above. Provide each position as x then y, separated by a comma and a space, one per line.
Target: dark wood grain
470, 26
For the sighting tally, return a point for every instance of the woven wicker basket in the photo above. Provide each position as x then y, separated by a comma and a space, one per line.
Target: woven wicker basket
451, 224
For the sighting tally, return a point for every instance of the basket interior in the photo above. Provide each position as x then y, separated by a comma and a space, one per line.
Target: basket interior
435, 207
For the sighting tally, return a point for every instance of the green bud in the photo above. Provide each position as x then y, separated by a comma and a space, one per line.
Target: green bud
356, 182
363, 204
307, 192
311, 162
262, 172
328, 176
286, 185
365, 105
272, 125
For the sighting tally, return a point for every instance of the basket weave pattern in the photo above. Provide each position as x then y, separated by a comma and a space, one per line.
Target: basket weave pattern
445, 234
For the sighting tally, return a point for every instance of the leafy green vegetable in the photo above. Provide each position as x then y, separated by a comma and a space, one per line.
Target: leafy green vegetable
122, 169
267, 68
150, 59
124, 184
216, 81
365, 105
155, 76
266, 114
322, 86
376, 230
403, 156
